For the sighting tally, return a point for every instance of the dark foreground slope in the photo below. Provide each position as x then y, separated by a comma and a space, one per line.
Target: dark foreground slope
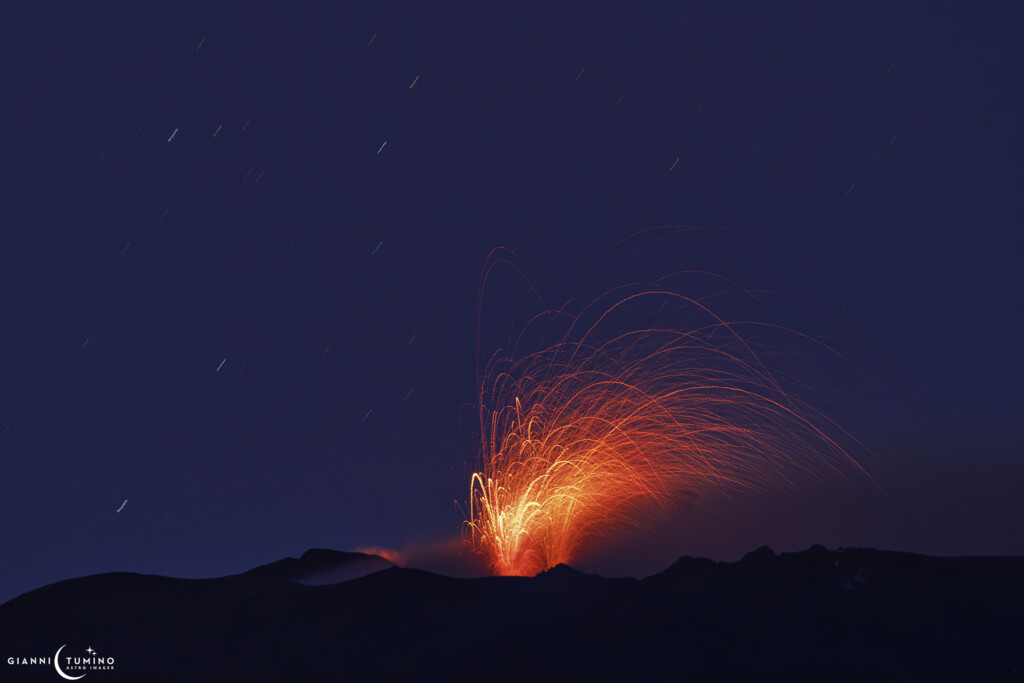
817, 615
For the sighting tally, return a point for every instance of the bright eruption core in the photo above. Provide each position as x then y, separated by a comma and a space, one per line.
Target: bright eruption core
598, 431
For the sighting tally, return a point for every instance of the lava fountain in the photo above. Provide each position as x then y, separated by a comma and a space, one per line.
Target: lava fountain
596, 431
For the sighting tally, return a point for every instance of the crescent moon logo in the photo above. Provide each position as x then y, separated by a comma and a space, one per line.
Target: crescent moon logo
56, 665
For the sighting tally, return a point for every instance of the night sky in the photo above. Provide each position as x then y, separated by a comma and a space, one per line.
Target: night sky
232, 243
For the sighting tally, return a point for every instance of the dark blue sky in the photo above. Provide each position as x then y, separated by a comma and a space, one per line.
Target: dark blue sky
860, 162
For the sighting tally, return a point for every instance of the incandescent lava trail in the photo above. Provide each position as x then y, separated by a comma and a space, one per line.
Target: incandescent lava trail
599, 430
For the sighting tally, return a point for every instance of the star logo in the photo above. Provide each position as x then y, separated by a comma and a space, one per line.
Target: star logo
90, 650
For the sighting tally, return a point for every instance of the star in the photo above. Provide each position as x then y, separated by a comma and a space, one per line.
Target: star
90, 650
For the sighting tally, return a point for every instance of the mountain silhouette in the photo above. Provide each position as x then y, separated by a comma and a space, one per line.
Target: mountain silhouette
815, 615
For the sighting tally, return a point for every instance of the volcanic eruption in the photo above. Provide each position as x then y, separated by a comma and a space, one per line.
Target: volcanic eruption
597, 428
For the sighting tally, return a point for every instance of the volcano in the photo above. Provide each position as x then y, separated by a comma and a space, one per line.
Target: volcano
819, 614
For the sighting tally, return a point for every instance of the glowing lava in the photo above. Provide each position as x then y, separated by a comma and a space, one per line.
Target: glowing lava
595, 432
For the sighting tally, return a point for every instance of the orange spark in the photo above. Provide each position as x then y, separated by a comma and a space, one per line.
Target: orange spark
596, 431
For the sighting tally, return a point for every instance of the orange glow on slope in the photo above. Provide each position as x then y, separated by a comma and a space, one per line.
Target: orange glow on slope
594, 433
392, 556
